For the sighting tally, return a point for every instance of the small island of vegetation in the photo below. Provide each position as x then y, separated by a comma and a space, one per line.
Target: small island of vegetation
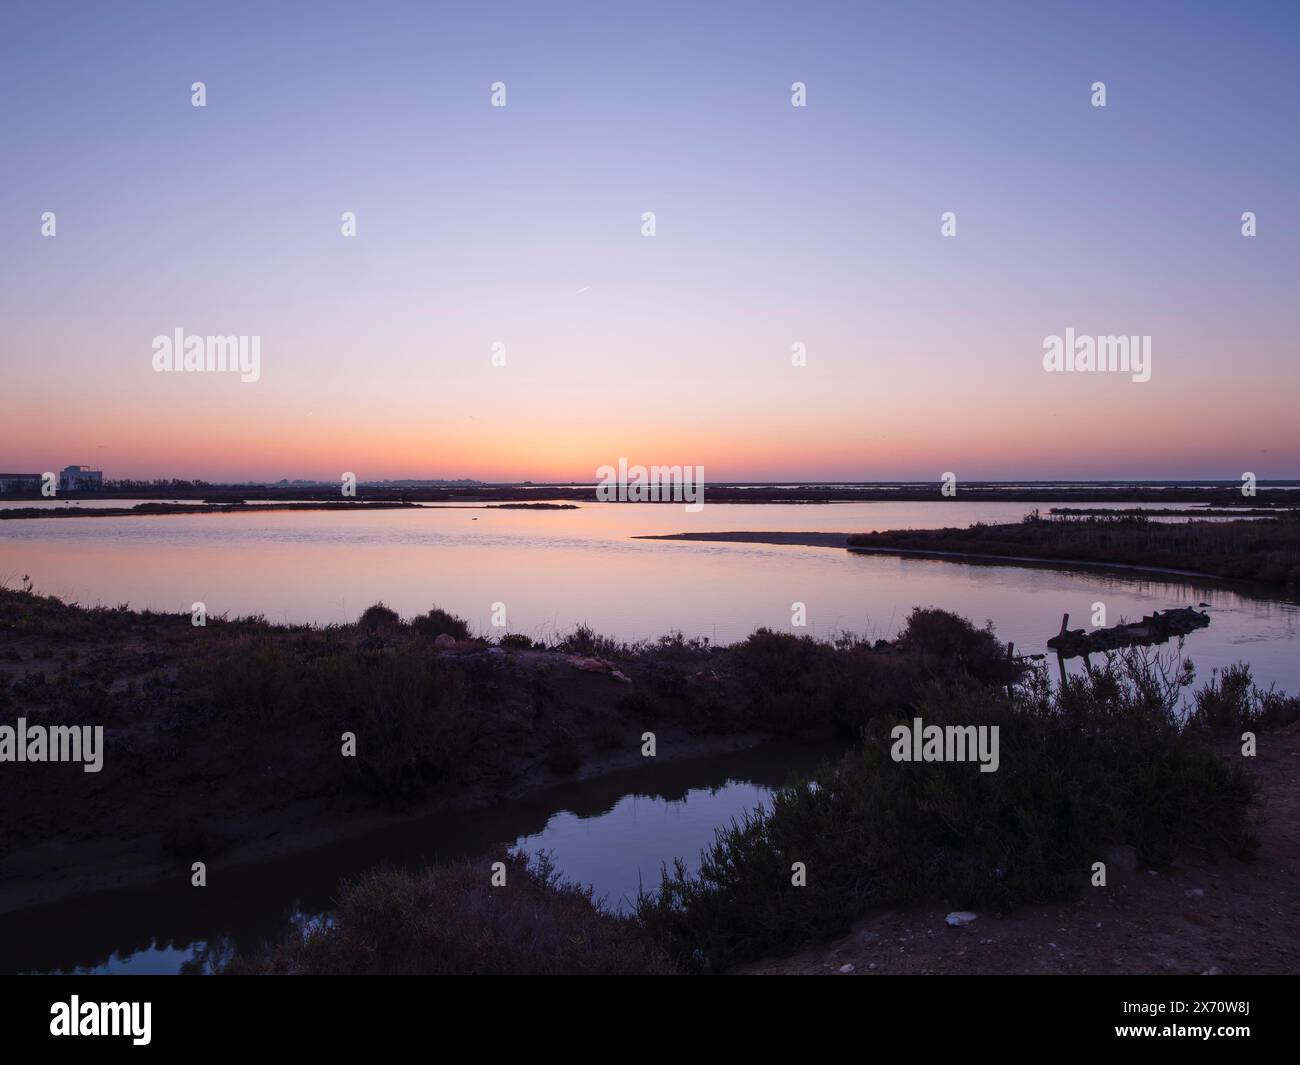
1264, 550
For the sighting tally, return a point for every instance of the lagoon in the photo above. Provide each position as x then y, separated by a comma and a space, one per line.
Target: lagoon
554, 570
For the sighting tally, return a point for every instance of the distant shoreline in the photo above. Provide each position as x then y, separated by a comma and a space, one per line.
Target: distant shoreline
1227, 495
788, 539
1259, 551
163, 509
840, 540
1062, 563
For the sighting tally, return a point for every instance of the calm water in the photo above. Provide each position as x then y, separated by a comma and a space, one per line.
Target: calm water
614, 832
553, 570
556, 569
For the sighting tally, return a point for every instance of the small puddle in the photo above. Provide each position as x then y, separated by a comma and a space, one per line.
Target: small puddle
613, 832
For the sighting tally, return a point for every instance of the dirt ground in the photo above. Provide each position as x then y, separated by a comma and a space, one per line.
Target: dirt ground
1194, 918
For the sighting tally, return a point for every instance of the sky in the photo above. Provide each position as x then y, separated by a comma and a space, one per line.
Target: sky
775, 225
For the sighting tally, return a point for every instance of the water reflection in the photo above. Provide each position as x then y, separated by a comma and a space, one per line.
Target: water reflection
613, 832
554, 569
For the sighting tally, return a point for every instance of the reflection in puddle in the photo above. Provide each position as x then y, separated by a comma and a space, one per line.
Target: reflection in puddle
613, 832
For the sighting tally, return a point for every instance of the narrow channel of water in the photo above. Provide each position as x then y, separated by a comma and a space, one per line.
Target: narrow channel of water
614, 832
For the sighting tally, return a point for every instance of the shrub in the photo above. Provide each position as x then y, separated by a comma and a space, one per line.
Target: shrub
676, 646
1106, 760
437, 621
946, 635
451, 921
378, 618
415, 732
255, 677
800, 685
1231, 701
585, 641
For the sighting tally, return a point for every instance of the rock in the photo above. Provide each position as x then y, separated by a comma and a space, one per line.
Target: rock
848, 968
445, 640
1194, 893
597, 665
960, 918
586, 664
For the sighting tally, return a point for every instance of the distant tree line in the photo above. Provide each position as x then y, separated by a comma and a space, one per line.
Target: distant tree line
161, 482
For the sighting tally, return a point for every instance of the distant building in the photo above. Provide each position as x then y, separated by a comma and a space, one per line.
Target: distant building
80, 479
14, 483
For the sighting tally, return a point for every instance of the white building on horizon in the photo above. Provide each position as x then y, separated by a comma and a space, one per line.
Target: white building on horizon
80, 478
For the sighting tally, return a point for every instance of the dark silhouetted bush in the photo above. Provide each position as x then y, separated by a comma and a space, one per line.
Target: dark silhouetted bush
1107, 760
452, 921
378, 618
436, 622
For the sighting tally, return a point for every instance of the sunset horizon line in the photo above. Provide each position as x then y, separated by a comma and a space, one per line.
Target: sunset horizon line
591, 478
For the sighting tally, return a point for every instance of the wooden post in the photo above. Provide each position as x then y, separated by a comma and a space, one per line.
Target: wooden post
1065, 623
